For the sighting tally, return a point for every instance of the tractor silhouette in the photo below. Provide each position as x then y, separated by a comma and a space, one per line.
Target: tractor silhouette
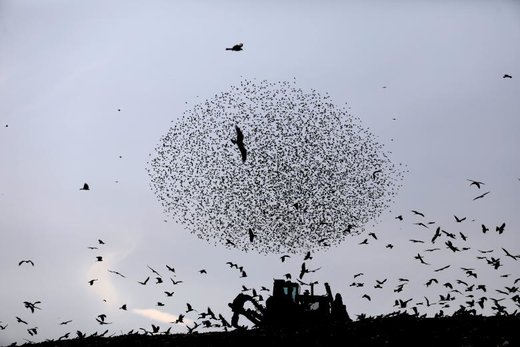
287, 308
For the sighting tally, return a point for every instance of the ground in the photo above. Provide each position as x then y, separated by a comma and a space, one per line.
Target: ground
404, 330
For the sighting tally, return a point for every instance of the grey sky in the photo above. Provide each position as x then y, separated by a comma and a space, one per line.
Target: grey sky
66, 67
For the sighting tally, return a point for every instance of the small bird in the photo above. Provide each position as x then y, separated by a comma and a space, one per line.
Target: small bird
175, 282
85, 187
500, 229
507, 76
442, 268
203, 271
20, 320
476, 183
91, 282
145, 281
251, 235
459, 219
99, 258
240, 143
420, 258
189, 308
26, 261
481, 196
170, 268
117, 273
32, 305
307, 256
389, 246
418, 213
154, 271
123, 307
484, 228
168, 294
66, 322
400, 217
237, 47
375, 172
366, 296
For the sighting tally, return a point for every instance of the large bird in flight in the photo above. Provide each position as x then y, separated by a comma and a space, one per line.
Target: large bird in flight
240, 143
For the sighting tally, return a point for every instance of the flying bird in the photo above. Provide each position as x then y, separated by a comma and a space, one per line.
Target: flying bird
476, 183
145, 281
481, 196
237, 47
500, 229
251, 235
459, 219
85, 187
240, 143
117, 273
26, 262
507, 76
418, 213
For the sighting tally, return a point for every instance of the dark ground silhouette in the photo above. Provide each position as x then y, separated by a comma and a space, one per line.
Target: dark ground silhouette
462, 330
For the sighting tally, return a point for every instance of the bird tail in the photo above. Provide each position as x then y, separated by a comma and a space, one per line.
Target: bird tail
229, 49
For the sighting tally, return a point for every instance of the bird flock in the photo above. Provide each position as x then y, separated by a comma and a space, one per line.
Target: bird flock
266, 166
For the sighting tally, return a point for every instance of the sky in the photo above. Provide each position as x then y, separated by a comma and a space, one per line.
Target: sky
87, 89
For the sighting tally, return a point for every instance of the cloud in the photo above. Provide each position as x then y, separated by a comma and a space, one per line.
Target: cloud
156, 315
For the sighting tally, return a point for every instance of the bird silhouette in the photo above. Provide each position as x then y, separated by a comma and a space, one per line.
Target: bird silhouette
145, 281
251, 235
507, 76
154, 271
91, 282
481, 196
26, 262
32, 305
500, 229
459, 219
20, 320
376, 172
418, 213
237, 47
240, 143
475, 183
85, 187
117, 273
189, 308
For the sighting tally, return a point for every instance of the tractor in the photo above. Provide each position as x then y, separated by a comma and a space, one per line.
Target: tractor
287, 308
